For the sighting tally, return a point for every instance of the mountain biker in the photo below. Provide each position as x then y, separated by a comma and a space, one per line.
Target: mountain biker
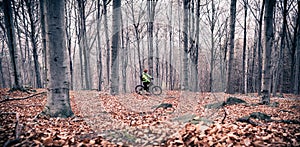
146, 79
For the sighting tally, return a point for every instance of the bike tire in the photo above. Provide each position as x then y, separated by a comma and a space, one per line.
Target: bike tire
156, 90
139, 89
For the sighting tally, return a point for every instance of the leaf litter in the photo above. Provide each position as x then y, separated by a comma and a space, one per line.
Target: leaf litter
137, 120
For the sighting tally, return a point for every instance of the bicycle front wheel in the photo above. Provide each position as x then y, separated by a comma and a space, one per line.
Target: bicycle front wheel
156, 90
139, 89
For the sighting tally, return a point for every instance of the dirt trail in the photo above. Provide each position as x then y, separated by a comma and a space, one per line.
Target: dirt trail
93, 110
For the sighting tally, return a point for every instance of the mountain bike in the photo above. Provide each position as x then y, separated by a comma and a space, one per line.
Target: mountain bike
153, 89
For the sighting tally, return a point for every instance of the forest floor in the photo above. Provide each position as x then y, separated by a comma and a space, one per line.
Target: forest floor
175, 118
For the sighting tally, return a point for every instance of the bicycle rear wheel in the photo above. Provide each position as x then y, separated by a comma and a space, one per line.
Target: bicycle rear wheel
156, 90
139, 89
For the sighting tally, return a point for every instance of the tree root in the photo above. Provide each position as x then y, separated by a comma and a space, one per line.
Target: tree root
22, 98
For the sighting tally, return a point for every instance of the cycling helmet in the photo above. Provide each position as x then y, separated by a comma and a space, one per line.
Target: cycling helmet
145, 70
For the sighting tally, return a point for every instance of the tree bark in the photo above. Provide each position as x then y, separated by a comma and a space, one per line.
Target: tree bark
231, 47
277, 75
244, 79
29, 5
58, 99
185, 45
43, 33
99, 60
115, 47
297, 54
268, 34
13, 52
105, 3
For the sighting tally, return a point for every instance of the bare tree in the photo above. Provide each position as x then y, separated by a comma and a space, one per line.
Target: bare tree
268, 34
186, 4
99, 59
115, 47
244, 77
58, 99
10, 32
33, 37
297, 58
231, 46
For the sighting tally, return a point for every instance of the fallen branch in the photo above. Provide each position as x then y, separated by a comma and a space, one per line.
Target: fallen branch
22, 98
17, 131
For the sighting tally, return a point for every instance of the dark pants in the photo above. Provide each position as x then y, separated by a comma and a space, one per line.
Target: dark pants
146, 84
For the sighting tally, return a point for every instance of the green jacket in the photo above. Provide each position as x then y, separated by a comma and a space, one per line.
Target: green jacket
146, 77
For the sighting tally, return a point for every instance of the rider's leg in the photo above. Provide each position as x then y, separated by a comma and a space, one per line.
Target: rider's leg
146, 86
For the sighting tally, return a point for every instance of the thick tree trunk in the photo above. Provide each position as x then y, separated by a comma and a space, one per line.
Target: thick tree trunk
58, 99
13, 52
115, 48
151, 13
231, 47
268, 34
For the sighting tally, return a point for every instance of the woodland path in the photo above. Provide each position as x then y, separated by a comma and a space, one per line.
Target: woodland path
98, 108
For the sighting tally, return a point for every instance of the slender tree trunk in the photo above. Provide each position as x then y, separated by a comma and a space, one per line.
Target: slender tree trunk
268, 33
259, 50
29, 5
43, 33
13, 52
99, 60
244, 79
212, 28
115, 47
69, 41
297, 55
170, 28
58, 99
231, 46
3, 83
185, 45
105, 3
282, 46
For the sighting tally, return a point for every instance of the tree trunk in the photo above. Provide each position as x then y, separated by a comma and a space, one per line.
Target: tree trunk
43, 33
99, 60
3, 83
185, 45
268, 34
277, 75
244, 79
212, 29
13, 52
151, 13
231, 47
58, 100
297, 55
29, 5
259, 50
105, 3
115, 47
68, 14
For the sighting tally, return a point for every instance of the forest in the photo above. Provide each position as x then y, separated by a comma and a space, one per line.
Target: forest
69, 69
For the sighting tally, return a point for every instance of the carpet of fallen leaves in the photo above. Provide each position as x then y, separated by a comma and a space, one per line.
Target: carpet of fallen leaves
19, 125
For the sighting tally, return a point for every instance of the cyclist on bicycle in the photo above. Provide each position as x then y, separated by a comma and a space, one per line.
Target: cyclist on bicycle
146, 79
